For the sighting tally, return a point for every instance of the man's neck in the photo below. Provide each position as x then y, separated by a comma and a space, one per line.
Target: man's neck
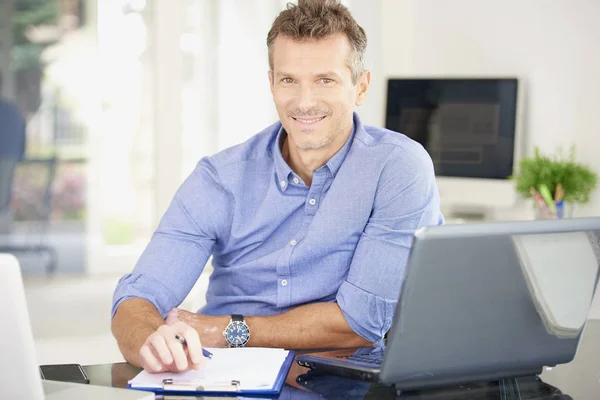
305, 162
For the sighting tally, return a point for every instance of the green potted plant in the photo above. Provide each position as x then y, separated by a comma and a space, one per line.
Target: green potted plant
554, 182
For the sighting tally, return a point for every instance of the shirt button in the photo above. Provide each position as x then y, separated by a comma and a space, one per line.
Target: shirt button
293, 242
282, 183
296, 181
284, 282
312, 202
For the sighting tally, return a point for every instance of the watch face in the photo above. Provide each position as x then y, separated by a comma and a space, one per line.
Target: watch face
237, 334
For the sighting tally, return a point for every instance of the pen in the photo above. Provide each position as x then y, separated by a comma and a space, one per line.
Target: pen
542, 205
205, 352
560, 209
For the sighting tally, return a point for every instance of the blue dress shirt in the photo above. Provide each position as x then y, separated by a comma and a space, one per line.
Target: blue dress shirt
278, 244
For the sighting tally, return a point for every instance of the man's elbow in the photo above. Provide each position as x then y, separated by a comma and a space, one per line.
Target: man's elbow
131, 357
358, 341
362, 332
354, 339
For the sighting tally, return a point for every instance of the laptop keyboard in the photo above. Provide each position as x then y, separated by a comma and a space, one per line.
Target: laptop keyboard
375, 358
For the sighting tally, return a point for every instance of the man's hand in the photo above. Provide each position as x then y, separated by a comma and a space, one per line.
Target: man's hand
209, 328
176, 315
162, 351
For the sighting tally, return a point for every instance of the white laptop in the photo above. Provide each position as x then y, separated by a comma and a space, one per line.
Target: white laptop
19, 373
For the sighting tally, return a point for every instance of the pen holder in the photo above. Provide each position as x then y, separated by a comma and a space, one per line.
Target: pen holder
561, 211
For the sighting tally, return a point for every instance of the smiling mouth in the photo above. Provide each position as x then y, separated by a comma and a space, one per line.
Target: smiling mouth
308, 121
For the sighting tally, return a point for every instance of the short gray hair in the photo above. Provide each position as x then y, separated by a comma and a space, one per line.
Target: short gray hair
318, 19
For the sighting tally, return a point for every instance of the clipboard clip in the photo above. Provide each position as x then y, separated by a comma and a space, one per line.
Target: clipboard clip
200, 385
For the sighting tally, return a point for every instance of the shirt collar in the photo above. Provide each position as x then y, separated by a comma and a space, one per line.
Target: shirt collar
338, 158
282, 168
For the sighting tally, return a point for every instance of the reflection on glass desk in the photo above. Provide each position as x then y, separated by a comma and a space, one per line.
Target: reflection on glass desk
579, 379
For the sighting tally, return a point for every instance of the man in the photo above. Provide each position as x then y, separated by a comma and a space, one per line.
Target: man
309, 222
12, 149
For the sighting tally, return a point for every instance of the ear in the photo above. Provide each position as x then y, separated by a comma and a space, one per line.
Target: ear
270, 74
362, 86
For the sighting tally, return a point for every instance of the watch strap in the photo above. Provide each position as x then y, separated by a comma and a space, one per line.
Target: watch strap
237, 318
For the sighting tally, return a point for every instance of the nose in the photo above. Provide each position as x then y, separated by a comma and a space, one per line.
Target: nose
307, 97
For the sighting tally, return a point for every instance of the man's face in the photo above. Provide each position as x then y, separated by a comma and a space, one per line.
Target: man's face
313, 90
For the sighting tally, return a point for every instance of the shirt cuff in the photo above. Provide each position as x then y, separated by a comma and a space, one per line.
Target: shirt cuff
369, 315
144, 287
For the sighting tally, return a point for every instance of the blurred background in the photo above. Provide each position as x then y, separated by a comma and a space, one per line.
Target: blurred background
119, 99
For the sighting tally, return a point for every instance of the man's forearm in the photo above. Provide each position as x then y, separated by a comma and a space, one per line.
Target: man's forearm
317, 325
134, 321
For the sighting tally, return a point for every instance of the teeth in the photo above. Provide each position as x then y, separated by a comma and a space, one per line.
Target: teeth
309, 121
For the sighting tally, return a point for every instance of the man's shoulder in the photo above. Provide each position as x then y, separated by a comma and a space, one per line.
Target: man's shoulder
376, 136
393, 143
397, 154
257, 147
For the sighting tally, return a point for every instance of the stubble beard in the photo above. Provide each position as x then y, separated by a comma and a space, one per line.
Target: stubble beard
314, 145
318, 143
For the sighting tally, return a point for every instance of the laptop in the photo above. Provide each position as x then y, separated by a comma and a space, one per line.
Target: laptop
482, 302
19, 374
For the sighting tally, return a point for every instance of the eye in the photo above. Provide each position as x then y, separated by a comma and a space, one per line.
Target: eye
326, 80
287, 80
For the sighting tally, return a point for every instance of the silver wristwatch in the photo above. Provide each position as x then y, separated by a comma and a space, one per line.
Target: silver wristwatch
237, 332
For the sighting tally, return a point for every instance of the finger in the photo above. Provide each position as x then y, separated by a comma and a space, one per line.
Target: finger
192, 339
176, 349
159, 345
193, 348
166, 368
190, 362
147, 358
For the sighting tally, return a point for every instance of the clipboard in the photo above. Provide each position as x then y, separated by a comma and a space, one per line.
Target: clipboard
171, 386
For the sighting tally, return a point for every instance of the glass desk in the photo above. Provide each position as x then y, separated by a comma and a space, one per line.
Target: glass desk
580, 379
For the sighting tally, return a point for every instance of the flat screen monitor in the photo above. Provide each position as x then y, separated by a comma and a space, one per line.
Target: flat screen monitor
466, 125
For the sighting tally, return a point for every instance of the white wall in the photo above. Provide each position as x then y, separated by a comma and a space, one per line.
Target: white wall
243, 94
551, 45
368, 15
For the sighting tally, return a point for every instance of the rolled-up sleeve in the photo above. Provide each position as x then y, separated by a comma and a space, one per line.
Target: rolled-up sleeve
175, 257
406, 199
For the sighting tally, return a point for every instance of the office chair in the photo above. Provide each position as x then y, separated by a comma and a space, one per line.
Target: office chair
42, 213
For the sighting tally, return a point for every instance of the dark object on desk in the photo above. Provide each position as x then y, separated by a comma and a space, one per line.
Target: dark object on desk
64, 373
482, 302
